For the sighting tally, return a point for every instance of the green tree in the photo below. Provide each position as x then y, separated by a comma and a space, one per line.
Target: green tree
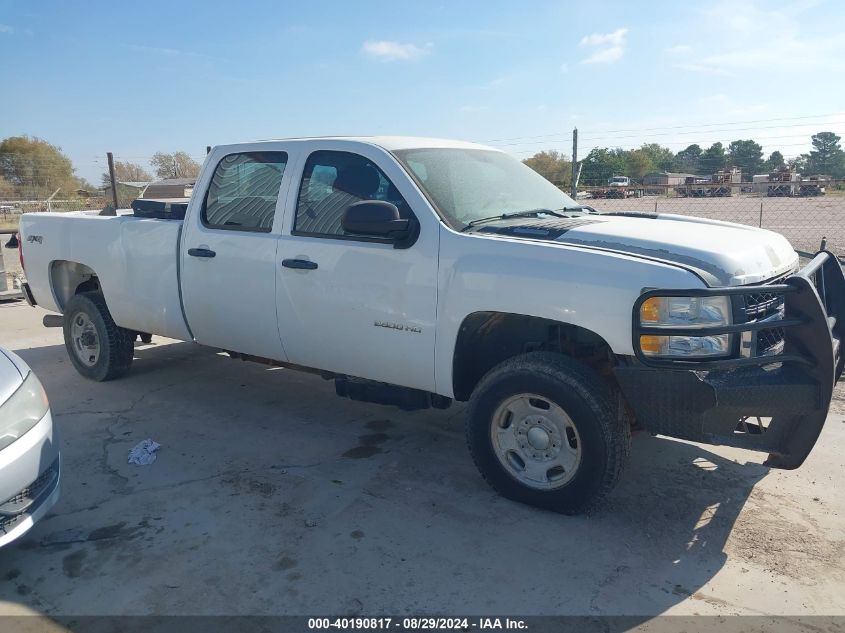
712, 159
124, 171
662, 158
826, 156
174, 165
748, 156
686, 161
798, 163
774, 162
602, 163
639, 162
35, 168
552, 165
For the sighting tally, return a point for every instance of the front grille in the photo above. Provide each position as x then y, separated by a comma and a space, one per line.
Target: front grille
761, 306
770, 342
24, 499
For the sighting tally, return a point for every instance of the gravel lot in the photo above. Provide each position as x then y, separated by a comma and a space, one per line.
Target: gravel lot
272, 496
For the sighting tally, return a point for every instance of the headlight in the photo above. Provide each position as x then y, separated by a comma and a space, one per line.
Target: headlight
23, 410
682, 313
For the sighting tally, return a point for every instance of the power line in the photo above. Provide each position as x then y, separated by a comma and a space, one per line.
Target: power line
722, 131
673, 127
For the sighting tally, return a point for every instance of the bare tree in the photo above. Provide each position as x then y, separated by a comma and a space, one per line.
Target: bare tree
175, 165
124, 171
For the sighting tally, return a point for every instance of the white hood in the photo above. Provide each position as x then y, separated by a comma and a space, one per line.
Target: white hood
730, 254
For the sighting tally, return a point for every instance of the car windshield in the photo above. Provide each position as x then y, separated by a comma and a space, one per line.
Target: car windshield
471, 184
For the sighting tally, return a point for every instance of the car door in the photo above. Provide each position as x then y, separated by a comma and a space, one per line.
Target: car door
353, 304
229, 253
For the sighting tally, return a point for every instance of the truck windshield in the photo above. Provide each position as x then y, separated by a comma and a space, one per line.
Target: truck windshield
470, 184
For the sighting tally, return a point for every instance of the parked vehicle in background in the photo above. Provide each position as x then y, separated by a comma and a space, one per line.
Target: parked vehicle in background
619, 187
29, 449
786, 183
724, 183
415, 272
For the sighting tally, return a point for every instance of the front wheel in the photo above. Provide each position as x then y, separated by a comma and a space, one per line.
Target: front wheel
543, 430
98, 348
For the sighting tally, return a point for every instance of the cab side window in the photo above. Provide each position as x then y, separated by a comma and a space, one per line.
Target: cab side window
331, 181
243, 192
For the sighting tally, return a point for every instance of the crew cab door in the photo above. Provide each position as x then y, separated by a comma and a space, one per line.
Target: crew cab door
353, 304
228, 275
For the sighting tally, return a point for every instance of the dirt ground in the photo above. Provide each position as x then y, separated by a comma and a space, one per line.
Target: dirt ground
272, 496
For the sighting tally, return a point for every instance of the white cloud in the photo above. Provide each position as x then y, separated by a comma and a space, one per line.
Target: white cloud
605, 56
760, 39
678, 49
496, 82
616, 38
5, 28
170, 52
388, 51
612, 46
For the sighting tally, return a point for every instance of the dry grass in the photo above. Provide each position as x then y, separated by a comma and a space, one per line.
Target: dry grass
8, 223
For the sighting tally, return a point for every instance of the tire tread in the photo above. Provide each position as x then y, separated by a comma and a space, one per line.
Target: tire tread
591, 388
119, 344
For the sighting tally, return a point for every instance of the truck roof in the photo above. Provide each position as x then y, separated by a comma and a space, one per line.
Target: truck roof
389, 143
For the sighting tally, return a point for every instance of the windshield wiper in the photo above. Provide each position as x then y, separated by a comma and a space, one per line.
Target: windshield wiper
519, 214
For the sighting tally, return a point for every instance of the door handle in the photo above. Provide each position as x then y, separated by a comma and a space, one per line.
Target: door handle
301, 264
201, 252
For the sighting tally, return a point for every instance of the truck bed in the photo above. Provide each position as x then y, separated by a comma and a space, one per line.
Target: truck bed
135, 259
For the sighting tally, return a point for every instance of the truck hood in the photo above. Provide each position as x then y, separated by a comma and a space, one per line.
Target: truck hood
722, 253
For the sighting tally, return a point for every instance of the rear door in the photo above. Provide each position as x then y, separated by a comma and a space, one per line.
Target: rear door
229, 253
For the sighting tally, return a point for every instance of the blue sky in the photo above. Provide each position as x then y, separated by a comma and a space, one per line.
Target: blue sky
135, 78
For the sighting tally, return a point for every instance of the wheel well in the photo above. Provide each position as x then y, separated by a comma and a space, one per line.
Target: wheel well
70, 278
486, 339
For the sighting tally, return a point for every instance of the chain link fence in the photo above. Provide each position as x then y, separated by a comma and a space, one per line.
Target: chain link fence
805, 217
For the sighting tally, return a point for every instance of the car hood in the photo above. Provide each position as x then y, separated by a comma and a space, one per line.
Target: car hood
10, 376
722, 253
730, 254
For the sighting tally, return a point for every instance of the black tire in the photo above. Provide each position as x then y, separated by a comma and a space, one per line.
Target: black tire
116, 343
604, 438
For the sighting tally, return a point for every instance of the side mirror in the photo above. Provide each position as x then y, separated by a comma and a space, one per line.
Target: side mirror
375, 218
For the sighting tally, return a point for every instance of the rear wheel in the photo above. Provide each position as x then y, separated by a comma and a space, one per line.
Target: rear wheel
98, 348
543, 430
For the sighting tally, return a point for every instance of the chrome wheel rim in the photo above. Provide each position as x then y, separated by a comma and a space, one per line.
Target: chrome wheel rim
535, 441
86, 343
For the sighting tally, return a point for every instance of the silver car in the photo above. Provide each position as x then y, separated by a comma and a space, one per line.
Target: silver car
29, 449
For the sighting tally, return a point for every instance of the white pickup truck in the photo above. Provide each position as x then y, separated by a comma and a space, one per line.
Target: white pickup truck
416, 272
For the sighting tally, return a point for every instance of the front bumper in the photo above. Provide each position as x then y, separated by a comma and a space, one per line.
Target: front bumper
775, 404
30, 472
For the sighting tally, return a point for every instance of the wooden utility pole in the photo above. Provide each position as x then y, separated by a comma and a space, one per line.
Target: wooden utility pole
575, 171
112, 180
